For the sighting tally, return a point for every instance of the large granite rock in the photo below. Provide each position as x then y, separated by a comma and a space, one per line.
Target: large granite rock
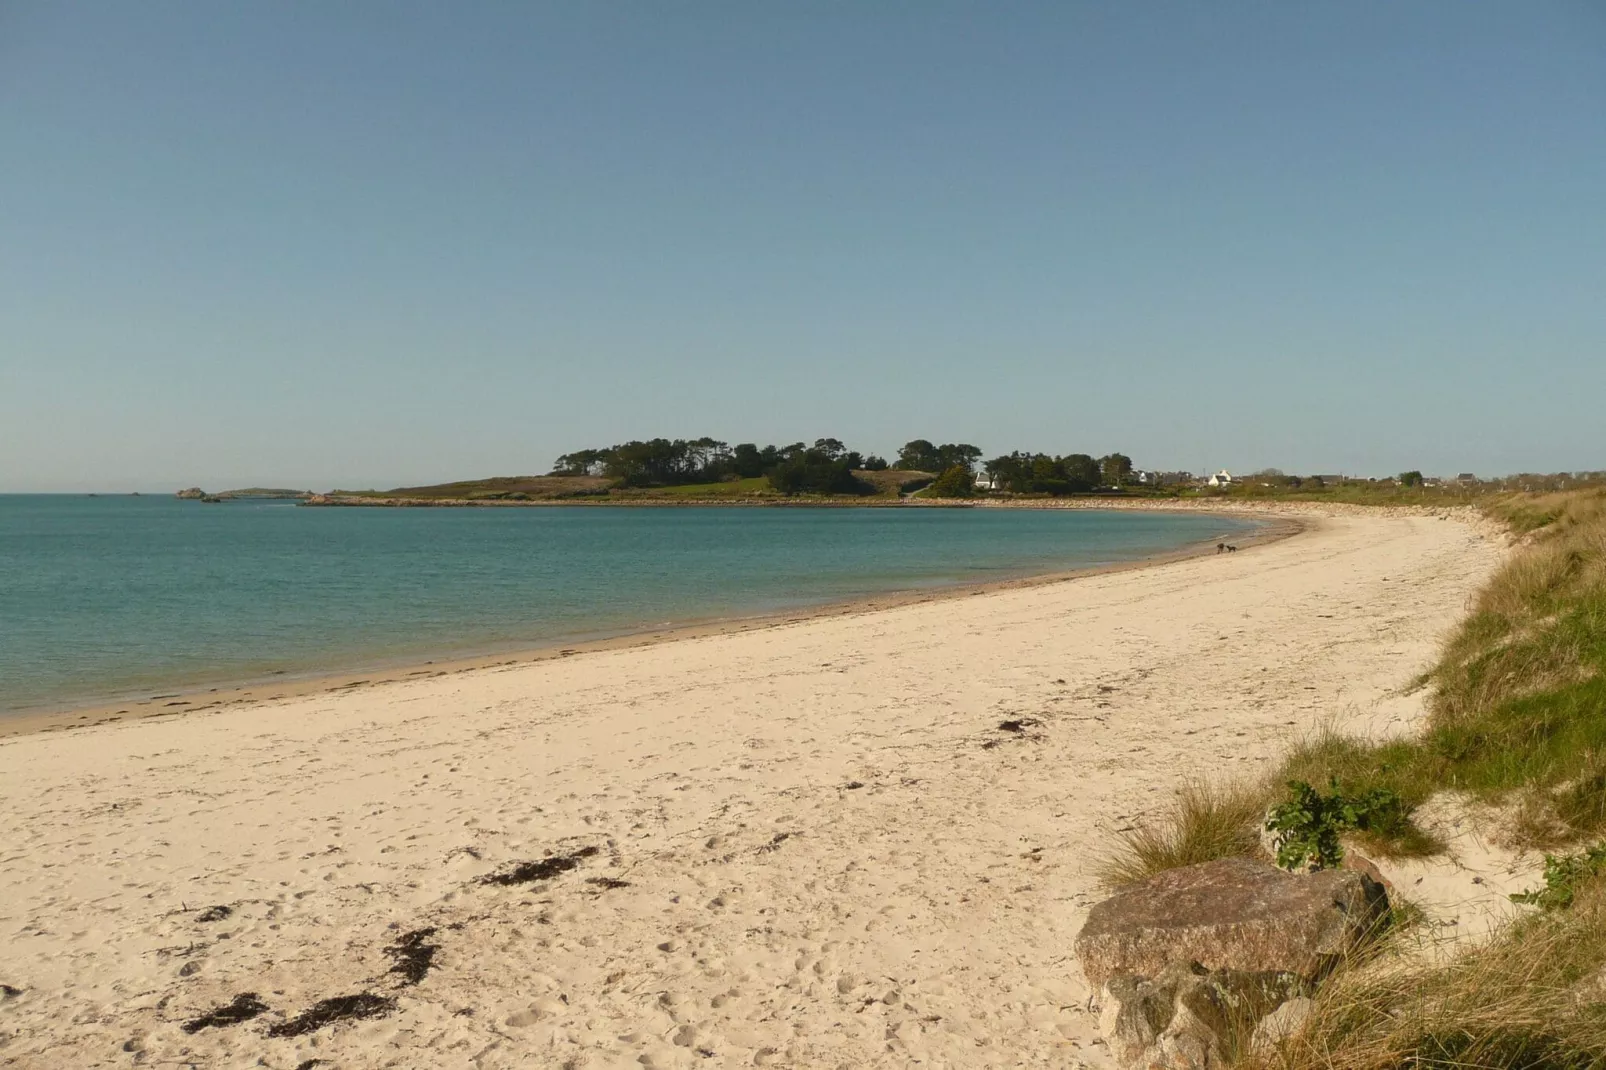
1233, 913
1189, 1018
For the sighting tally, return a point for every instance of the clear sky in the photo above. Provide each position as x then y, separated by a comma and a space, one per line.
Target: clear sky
373, 243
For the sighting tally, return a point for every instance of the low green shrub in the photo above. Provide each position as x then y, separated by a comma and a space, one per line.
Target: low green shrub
1563, 875
1308, 824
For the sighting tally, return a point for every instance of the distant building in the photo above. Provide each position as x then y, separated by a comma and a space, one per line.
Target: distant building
986, 482
1150, 478
1466, 477
1222, 478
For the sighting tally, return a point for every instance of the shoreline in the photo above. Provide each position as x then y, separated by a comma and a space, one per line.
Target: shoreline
1275, 527
862, 840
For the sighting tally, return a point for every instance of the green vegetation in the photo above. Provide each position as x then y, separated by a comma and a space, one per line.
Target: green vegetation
1564, 876
1530, 999
1206, 822
1518, 712
922, 456
264, 492
1115, 469
710, 468
1308, 823
1517, 717
1363, 770
956, 482
827, 468
671, 468
894, 482
1408, 488
499, 488
1040, 473
755, 487
663, 462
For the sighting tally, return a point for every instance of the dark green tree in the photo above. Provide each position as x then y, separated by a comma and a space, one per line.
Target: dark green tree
1115, 469
815, 471
919, 456
748, 461
580, 463
831, 449
1082, 472
955, 482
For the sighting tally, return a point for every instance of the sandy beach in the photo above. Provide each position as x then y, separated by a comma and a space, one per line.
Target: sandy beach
857, 839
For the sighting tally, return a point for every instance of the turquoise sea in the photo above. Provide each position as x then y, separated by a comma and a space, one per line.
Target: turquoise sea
122, 597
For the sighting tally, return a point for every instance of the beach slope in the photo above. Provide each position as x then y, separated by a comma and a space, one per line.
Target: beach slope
856, 840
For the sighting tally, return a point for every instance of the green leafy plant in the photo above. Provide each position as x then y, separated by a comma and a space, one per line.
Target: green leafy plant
1309, 823
1563, 874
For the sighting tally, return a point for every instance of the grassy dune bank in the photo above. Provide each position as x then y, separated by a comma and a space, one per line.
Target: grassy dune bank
1516, 736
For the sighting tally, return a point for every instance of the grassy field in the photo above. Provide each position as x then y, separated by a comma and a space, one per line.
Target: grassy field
757, 487
888, 484
1517, 720
496, 487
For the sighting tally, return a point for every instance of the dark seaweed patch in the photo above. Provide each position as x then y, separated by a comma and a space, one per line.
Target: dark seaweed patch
1019, 724
607, 883
308, 1064
245, 1007
544, 870
854, 785
335, 1009
217, 913
413, 957
9, 992
775, 842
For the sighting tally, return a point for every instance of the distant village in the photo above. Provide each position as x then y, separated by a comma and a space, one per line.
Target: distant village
1224, 480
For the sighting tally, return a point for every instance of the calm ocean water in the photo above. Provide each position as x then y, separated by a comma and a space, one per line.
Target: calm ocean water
109, 597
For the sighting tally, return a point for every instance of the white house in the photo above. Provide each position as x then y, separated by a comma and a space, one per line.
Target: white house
1222, 478
986, 482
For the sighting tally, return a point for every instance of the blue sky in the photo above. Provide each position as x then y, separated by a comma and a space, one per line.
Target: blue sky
367, 244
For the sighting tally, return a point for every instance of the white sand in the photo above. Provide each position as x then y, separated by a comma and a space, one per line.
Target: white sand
775, 913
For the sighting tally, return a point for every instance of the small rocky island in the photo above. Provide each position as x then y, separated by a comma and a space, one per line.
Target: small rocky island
197, 494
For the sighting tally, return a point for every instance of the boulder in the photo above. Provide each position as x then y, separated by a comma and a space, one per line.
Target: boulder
191, 493
1189, 1018
1233, 913
1281, 1024
1361, 864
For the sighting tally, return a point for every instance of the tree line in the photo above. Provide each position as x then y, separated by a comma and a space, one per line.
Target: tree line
1042, 473
826, 467
829, 467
